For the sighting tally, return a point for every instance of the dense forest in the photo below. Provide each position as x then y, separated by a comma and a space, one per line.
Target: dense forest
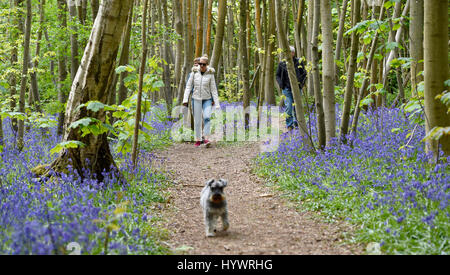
88, 89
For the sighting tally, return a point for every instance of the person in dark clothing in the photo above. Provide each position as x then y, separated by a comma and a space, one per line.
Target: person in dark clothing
285, 85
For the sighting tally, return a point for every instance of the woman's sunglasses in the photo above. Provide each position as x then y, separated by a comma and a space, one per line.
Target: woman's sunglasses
202, 64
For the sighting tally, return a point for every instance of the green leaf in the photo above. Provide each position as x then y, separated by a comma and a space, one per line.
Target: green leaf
127, 68
81, 122
95, 106
67, 144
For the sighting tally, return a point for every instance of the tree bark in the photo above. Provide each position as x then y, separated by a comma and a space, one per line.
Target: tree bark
125, 57
318, 98
92, 82
62, 63
244, 58
349, 86
179, 44
94, 6
269, 87
365, 81
74, 64
208, 28
340, 34
199, 36
141, 81
328, 72
436, 71
23, 82
220, 31
416, 43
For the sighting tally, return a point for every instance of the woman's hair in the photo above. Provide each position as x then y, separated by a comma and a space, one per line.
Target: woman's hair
205, 57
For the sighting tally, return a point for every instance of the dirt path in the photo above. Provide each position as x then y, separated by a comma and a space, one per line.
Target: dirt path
260, 221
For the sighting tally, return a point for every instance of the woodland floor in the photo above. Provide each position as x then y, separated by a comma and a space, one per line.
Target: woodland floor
262, 221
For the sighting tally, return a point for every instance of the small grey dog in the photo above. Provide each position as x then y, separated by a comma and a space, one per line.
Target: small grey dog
214, 205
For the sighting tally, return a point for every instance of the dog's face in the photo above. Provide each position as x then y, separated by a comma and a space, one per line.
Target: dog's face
216, 194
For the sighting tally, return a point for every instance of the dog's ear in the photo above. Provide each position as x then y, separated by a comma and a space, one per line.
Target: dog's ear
209, 182
224, 182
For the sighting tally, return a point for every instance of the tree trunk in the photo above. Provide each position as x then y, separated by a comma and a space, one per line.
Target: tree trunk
34, 92
62, 63
365, 81
436, 71
23, 82
125, 57
179, 44
220, 30
141, 81
199, 36
244, 58
168, 95
94, 6
282, 36
340, 34
17, 21
328, 72
269, 87
316, 76
356, 7
208, 28
416, 43
73, 39
92, 82
298, 25
309, 57
397, 38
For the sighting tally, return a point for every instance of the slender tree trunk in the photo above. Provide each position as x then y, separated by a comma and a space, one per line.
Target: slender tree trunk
17, 21
316, 76
365, 81
349, 85
34, 92
397, 38
298, 25
340, 34
269, 87
179, 44
73, 39
328, 72
141, 81
309, 53
416, 26
244, 58
260, 44
62, 62
23, 82
436, 71
282, 36
92, 82
94, 6
199, 36
208, 28
220, 31
168, 95
125, 57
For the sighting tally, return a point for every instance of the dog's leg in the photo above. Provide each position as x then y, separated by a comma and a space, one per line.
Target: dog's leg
210, 225
225, 222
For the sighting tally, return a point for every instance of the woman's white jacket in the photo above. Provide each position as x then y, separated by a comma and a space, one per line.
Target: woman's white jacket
204, 86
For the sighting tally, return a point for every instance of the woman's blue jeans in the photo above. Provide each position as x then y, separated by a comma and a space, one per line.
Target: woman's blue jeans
291, 120
205, 107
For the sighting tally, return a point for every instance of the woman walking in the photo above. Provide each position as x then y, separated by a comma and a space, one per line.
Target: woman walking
205, 96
